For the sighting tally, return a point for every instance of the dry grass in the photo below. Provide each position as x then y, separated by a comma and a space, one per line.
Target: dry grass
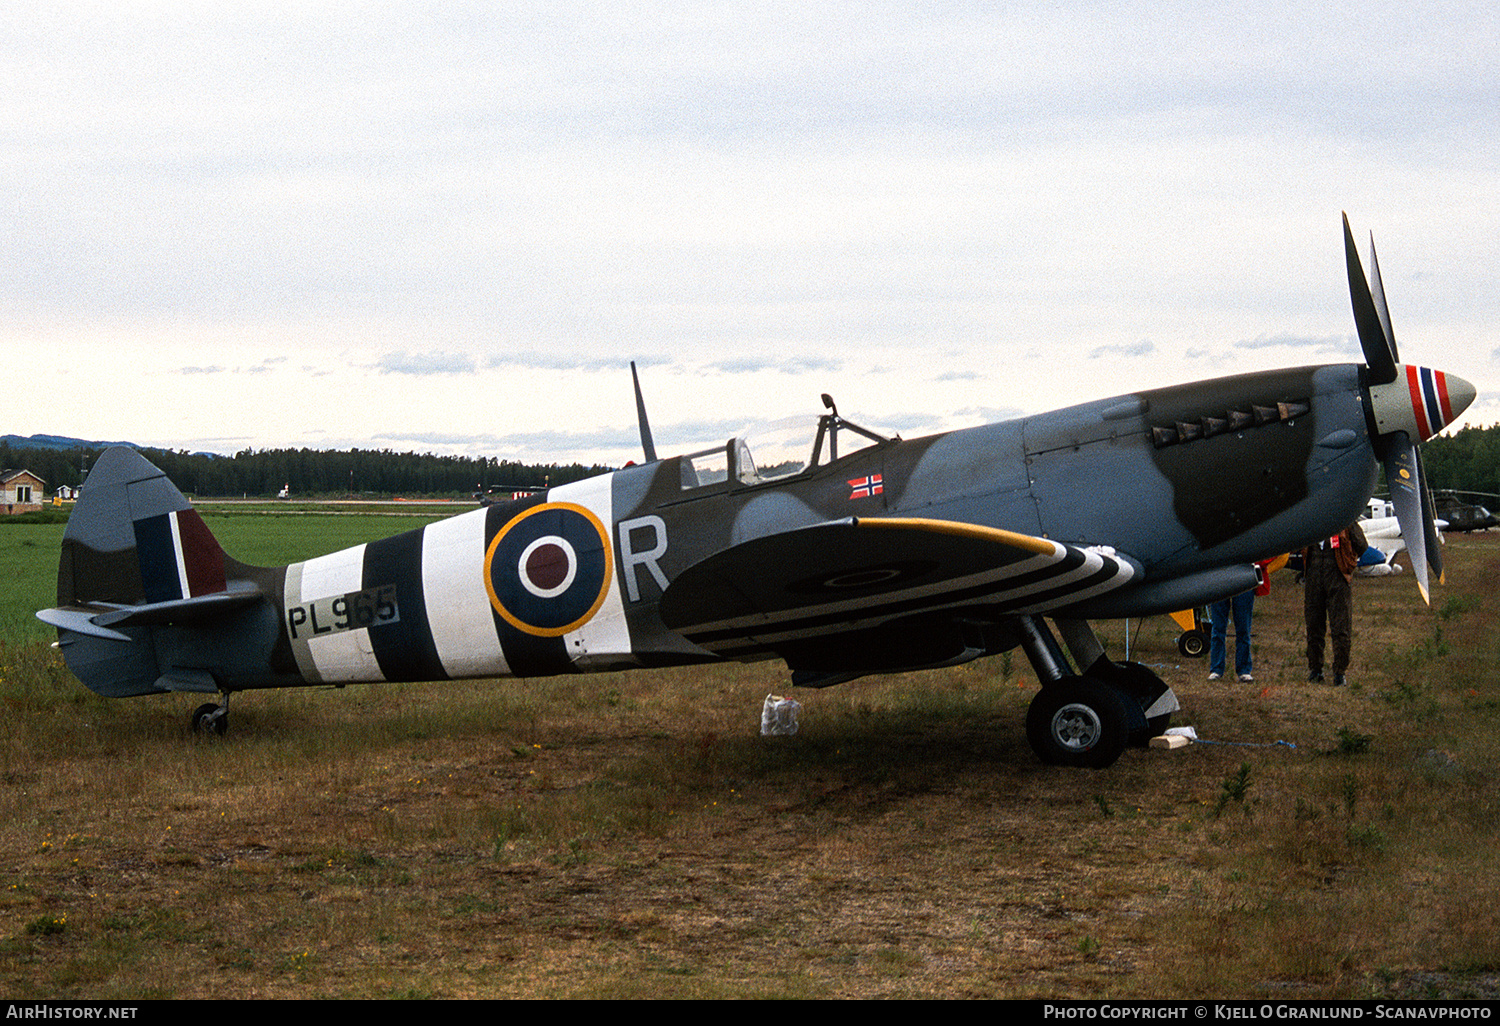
631, 835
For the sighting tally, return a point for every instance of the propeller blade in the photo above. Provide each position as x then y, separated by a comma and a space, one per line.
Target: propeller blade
1378, 347
1429, 523
1408, 495
1377, 293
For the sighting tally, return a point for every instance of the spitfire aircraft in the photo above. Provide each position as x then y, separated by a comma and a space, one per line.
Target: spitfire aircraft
838, 549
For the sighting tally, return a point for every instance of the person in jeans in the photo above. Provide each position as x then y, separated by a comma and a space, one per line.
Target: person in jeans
1242, 608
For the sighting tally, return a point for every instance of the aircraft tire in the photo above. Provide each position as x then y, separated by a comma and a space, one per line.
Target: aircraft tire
205, 722
1192, 644
1078, 722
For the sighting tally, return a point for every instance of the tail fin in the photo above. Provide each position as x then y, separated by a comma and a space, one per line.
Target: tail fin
134, 538
135, 556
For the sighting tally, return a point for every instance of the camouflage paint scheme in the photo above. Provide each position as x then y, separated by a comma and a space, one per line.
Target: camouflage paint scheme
896, 555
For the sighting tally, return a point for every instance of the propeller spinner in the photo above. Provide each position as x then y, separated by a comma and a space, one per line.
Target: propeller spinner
1407, 405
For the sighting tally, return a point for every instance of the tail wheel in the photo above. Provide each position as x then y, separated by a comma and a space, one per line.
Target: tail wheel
211, 719
1078, 722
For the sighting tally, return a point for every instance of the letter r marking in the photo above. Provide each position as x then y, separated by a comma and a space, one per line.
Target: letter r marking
630, 558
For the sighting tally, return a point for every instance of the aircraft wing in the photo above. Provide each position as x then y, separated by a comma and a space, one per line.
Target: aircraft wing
850, 574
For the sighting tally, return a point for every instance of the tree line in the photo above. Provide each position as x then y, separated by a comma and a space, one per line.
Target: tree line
310, 473
1467, 460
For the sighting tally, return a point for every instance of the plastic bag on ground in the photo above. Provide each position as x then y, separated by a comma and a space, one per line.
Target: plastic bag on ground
778, 717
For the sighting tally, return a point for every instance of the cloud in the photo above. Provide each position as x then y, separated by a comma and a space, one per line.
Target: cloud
532, 360
222, 444
808, 364
792, 365
438, 438
1144, 347
909, 425
402, 362
1340, 344
989, 414
742, 365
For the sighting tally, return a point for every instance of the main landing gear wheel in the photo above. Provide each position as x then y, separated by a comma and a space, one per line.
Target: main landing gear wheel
1078, 722
211, 718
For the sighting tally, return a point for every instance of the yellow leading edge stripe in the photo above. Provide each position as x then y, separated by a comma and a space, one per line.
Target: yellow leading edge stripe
1025, 542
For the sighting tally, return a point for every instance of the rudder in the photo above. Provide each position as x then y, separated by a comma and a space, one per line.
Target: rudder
134, 538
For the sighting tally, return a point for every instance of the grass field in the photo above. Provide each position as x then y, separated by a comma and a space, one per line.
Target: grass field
632, 835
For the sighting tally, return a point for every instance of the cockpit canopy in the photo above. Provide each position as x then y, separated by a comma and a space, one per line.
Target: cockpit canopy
776, 450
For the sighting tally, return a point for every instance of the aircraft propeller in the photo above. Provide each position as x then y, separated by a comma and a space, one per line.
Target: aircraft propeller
1409, 404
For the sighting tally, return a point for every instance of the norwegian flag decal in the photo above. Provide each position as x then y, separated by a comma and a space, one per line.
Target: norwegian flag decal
864, 487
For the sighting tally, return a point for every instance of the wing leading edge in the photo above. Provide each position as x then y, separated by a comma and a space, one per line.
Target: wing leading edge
847, 576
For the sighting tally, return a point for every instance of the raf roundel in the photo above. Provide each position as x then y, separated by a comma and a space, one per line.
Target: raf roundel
548, 570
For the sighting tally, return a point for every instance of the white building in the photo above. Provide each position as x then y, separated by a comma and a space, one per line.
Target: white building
21, 491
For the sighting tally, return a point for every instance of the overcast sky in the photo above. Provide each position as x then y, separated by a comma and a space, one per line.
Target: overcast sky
449, 227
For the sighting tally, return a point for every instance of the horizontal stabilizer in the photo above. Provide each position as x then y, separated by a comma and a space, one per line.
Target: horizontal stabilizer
100, 619
79, 621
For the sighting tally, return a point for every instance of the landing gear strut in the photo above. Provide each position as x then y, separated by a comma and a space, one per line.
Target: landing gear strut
1087, 719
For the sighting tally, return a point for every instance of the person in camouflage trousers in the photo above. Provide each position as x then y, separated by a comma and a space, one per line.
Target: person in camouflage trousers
1328, 573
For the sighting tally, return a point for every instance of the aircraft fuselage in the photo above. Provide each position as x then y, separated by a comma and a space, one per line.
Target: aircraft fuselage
1188, 484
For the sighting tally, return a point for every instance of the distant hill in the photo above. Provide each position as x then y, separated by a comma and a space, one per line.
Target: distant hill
62, 443
56, 442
